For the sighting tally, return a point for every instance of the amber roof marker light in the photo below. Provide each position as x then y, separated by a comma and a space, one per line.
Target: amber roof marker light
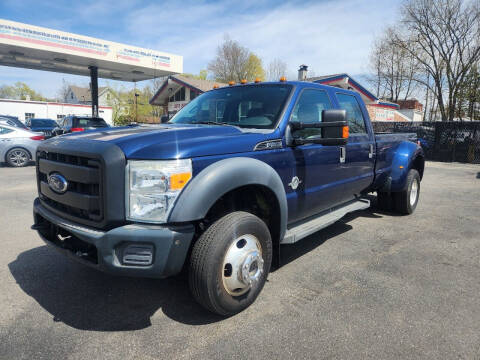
283, 79
231, 83
215, 86
243, 81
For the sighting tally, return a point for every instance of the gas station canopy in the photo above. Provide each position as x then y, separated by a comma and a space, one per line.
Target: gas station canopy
33, 47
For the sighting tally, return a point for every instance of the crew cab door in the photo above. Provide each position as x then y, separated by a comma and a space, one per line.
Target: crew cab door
317, 167
359, 162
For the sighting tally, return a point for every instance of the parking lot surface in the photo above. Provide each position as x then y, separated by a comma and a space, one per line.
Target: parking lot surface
373, 285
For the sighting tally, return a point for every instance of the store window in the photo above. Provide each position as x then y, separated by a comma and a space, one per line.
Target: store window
180, 95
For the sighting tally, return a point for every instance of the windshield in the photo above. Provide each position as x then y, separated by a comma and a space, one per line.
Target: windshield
247, 106
90, 122
43, 123
13, 121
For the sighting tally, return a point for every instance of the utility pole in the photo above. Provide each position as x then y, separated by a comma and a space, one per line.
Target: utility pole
136, 104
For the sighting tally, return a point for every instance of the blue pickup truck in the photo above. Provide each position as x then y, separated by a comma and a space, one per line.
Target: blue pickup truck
238, 172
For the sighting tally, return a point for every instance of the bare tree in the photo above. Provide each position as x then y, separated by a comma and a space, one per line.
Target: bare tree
234, 62
276, 69
444, 37
230, 62
63, 91
394, 68
376, 66
157, 82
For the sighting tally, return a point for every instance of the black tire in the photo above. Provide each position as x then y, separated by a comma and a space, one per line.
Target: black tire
384, 201
18, 157
206, 273
403, 200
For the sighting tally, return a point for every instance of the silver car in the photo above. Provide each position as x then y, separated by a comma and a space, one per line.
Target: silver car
18, 147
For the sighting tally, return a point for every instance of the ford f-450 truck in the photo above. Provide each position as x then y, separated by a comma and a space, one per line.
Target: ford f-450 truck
238, 172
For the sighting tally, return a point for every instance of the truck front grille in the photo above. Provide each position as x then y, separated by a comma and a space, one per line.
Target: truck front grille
83, 199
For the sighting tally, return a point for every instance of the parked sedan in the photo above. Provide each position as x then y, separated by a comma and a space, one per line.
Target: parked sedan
45, 126
74, 123
18, 147
12, 121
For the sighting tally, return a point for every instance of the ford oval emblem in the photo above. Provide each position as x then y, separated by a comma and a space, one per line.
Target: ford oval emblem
57, 183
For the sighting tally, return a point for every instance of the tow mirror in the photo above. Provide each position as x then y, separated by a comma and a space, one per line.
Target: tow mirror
334, 129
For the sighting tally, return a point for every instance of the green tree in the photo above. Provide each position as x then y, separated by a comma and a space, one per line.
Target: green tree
128, 108
469, 94
202, 75
20, 91
254, 68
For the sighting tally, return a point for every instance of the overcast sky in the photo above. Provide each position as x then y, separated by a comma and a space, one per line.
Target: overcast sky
329, 36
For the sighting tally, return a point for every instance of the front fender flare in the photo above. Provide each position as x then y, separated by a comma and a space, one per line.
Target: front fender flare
221, 177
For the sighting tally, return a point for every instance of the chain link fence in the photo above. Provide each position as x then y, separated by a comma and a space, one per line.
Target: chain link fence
441, 141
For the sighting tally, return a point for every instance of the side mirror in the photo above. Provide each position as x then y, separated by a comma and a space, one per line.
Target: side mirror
334, 129
163, 119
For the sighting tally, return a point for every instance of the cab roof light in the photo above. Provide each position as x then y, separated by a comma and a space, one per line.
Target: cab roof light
283, 79
243, 81
231, 83
257, 80
215, 86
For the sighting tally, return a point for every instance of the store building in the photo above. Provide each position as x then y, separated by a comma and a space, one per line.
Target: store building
27, 109
412, 109
177, 91
83, 95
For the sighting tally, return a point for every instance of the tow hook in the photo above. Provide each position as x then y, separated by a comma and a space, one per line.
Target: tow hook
39, 227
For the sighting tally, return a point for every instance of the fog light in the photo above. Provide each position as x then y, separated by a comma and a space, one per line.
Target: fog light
138, 255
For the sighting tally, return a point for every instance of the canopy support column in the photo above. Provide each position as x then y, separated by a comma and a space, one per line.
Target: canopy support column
94, 89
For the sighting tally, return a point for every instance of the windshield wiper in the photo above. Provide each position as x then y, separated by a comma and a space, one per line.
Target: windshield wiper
213, 123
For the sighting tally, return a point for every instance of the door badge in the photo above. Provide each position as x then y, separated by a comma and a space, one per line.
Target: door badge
295, 182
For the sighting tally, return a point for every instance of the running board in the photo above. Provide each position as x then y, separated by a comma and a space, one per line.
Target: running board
311, 226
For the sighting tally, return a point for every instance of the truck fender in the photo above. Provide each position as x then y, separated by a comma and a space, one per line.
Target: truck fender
403, 160
221, 177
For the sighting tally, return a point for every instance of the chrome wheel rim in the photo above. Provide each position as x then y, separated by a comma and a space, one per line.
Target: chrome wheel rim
414, 193
242, 265
18, 157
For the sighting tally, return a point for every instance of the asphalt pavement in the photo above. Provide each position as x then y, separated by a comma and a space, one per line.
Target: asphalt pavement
374, 285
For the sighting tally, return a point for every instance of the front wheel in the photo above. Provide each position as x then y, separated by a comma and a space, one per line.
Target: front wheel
18, 157
230, 263
406, 201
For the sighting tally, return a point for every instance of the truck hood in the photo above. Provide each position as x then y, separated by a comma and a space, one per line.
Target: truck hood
175, 141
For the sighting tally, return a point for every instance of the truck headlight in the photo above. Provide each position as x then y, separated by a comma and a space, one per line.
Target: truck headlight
153, 186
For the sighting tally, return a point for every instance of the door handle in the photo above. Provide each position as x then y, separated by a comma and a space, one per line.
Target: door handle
370, 154
343, 153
